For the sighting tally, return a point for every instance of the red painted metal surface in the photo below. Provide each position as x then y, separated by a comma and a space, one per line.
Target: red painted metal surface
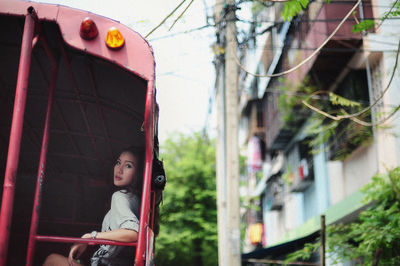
42, 160
60, 239
15, 137
145, 210
135, 56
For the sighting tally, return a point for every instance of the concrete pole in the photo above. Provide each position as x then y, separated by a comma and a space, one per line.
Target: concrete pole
221, 165
232, 143
227, 144
221, 150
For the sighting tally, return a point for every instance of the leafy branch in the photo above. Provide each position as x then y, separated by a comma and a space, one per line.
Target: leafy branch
339, 137
354, 115
293, 8
369, 24
374, 239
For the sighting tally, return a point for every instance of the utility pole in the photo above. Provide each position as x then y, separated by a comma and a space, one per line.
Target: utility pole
323, 240
227, 143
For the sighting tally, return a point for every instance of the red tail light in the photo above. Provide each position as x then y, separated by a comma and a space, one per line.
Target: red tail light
88, 29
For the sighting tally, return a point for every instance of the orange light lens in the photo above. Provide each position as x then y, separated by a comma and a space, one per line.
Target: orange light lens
114, 39
88, 29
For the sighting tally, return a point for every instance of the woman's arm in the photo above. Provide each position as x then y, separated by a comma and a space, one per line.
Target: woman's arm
121, 235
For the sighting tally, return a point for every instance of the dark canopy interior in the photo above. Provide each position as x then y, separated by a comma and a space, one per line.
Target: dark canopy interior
98, 110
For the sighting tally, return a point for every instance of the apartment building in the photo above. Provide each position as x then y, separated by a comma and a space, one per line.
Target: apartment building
299, 168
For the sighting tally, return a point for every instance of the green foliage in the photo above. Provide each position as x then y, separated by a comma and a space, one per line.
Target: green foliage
292, 8
188, 232
302, 254
374, 239
363, 25
242, 165
290, 101
339, 100
340, 137
321, 130
287, 176
393, 12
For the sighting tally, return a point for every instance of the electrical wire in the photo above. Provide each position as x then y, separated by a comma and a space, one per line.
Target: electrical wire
309, 20
322, 2
368, 124
273, 48
387, 14
354, 115
343, 50
181, 32
275, 24
305, 60
165, 19
180, 16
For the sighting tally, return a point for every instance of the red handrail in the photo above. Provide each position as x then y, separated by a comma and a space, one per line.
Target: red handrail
145, 208
15, 137
77, 240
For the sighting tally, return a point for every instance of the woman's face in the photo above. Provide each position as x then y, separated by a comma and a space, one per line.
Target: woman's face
125, 169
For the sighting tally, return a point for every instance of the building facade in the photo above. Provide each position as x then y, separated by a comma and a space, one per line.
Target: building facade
312, 165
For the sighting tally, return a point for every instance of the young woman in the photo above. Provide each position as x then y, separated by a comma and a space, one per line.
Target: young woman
121, 223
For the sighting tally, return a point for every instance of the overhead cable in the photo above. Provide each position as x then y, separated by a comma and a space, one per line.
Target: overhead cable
305, 60
354, 115
165, 19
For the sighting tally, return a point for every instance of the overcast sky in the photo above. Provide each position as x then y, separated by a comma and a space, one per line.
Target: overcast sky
185, 73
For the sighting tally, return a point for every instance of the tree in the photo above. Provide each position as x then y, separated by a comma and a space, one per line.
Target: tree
374, 239
188, 222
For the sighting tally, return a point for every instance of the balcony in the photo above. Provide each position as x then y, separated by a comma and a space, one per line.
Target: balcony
304, 36
254, 112
279, 132
274, 194
303, 176
313, 28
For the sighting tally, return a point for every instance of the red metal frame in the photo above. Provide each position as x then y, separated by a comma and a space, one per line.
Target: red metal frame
15, 137
143, 66
141, 257
59, 239
43, 159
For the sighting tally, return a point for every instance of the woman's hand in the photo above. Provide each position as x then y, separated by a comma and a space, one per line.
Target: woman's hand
77, 250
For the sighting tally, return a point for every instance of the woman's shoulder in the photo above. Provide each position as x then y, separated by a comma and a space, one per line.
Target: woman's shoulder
123, 199
124, 195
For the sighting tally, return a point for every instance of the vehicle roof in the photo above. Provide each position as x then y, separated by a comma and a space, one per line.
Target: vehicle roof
101, 99
131, 56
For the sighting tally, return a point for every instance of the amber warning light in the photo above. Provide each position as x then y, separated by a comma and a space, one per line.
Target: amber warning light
88, 29
114, 39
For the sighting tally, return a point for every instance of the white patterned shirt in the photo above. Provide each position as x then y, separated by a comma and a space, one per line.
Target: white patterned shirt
124, 213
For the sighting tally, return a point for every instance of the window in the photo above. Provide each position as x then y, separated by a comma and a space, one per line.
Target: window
349, 135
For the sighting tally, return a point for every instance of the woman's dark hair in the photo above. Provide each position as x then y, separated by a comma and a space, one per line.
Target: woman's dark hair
158, 183
136, 186
157, 186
